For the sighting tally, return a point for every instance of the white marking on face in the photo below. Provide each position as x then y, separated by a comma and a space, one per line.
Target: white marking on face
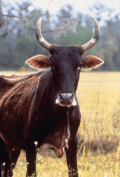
74, 102
57, 101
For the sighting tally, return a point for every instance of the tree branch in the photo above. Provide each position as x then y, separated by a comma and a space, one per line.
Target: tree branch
12, 16
61, 29
50, 31
27, 16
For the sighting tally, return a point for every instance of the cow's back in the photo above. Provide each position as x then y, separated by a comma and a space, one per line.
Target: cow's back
8, 82
5, 85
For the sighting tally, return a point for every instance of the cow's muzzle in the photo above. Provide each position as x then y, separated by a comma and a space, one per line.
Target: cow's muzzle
66, 99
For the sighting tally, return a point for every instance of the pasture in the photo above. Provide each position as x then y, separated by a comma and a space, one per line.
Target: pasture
98, 95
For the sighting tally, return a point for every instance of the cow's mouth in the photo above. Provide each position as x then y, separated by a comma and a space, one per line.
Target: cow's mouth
66, 99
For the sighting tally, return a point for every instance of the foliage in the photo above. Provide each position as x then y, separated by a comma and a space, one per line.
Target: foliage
81, 36
17, 34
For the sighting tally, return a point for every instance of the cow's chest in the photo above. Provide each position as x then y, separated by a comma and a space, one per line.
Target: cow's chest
58, 138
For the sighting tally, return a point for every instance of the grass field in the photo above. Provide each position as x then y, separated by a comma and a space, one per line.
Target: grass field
89, 165
99, 154
98, 95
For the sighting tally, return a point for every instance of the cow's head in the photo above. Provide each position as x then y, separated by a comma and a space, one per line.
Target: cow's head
65, 63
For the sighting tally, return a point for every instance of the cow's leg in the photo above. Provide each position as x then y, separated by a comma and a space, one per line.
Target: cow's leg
1, 171
71, 149
71, 155
31, 160
8, 164
3, 157
5, 160
8, 168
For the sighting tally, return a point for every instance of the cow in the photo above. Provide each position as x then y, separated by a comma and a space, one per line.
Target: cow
41, 109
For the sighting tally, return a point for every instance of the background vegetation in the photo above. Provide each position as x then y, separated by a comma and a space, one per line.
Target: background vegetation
18, 41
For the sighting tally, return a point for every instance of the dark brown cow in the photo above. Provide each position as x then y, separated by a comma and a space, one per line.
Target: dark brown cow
41, 109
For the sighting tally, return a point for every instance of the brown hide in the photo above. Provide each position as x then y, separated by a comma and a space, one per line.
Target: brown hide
8, 82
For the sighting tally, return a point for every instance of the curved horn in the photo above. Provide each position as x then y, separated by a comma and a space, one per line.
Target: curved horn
94, 39
39, 36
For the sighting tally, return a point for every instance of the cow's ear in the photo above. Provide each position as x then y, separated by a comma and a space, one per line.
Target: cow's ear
39, 61
91, 61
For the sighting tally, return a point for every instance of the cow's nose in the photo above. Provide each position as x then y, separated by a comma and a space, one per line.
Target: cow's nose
66, 98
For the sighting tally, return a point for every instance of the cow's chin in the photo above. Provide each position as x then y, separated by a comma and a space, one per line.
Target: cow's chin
63, 104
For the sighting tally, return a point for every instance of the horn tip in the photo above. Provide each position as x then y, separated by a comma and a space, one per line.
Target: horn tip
95, 20
39, 21
92, 17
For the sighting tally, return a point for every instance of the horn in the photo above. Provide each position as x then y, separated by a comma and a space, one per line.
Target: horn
94, 39
39, 36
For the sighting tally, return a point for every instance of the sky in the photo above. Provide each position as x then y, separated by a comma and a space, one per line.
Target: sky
79, 5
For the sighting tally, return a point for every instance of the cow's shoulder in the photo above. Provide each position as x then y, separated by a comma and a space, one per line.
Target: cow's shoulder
18, 88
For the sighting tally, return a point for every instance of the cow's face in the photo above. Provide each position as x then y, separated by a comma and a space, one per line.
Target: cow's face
65, 64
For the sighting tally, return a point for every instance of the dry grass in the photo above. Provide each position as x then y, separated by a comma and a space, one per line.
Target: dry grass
89, 165
98, 95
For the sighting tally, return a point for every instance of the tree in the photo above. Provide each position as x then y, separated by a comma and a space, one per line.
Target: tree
17, 33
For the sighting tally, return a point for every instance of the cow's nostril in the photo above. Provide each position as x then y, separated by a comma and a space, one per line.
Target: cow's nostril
66, 96
66, 99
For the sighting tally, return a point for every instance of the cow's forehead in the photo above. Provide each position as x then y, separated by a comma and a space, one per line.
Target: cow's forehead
65, 50
70, 54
